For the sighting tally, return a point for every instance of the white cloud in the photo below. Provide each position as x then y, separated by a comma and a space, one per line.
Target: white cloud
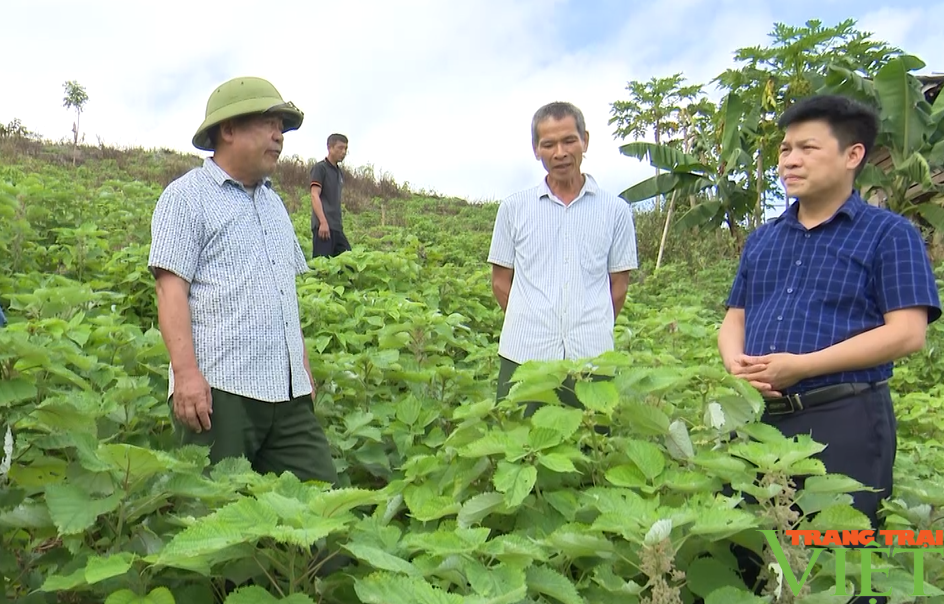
439, 94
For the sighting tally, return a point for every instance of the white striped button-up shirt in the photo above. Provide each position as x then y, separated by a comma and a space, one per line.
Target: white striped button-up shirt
560, 305
239, 252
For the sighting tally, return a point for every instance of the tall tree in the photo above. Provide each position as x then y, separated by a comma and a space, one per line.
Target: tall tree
654, 104
794, 65
75, 98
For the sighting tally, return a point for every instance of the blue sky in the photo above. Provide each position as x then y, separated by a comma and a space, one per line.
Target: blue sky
439, 94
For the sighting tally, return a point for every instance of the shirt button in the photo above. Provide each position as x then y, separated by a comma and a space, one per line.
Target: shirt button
789, 290
807, 235
772, 347
799, 262
780, 318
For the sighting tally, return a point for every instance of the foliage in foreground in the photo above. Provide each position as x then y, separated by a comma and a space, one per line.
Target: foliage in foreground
448, 497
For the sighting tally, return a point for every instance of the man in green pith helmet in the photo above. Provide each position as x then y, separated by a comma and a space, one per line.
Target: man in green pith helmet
225, 257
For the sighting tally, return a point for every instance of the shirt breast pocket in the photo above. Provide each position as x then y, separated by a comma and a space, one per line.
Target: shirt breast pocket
594, 251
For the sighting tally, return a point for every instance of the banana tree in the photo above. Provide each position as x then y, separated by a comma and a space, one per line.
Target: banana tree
721, 187
912, 132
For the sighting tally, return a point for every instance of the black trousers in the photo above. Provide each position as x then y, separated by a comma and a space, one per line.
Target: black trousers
860, 434
334, 245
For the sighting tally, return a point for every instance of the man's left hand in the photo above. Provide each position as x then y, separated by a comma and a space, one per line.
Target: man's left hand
782, 369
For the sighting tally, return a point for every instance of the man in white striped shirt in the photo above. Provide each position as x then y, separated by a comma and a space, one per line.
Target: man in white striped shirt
561, 253
225, 257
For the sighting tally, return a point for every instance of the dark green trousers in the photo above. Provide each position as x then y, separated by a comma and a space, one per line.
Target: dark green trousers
274, 437
565, 392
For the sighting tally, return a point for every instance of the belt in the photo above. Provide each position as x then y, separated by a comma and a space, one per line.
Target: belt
785, 405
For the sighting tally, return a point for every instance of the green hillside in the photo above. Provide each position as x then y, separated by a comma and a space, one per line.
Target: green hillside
450, 498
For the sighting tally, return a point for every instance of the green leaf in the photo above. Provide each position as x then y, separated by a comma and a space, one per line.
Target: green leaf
562, 419
733, 595
340, 501
549, 582
578, 541
738, 411
515, 481
660, 156
720, 523
677, 441
840, 517
136, 462
719, 463
705, 575
381, 560
647, 457
158, 595
599, 396
73, 511
65, 417
514, 549
478, 507
900, 94
933, 213
257, 595
99, 569
386, 588
626, 475
499, 584
426, 505
16, 390
540, 439
902, 585
832, 483
646, 420
556, 462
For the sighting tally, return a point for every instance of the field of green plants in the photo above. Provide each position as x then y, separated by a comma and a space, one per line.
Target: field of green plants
448, 497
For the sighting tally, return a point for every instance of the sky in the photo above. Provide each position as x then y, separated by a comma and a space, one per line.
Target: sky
439, 94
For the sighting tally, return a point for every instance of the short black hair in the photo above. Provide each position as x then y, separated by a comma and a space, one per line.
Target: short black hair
336, 138
851, 122
558, 110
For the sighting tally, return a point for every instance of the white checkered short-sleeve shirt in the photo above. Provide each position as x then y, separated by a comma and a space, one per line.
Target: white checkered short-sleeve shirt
560, 305
239, 252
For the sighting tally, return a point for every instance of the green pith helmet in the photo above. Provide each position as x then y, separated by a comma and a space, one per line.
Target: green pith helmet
243, 96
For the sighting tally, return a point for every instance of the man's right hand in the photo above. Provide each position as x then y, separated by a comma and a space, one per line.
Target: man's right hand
324, 231
742, 367
193, 404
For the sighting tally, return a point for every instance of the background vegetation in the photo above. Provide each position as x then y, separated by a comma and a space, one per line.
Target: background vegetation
448, 497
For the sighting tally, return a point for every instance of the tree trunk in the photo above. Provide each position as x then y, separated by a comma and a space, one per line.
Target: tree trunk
659, 198
665, 229
759, 210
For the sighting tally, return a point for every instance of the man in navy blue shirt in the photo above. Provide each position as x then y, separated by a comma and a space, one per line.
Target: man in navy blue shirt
828, 296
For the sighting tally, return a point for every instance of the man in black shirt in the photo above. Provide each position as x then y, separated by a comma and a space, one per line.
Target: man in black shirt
327, 231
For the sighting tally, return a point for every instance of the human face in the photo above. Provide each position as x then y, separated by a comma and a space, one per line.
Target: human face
337, 152
560, 148
255, 145
812, 163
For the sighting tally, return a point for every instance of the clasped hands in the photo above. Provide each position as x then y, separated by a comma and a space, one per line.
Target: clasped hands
770, 373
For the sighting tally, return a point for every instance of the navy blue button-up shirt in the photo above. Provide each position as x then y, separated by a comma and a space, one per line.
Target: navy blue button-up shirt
804, 290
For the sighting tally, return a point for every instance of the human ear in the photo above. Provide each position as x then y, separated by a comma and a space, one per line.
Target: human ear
855, 155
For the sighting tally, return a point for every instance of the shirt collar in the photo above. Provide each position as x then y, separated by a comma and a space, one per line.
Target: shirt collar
850, 208
220, 176
589, 188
